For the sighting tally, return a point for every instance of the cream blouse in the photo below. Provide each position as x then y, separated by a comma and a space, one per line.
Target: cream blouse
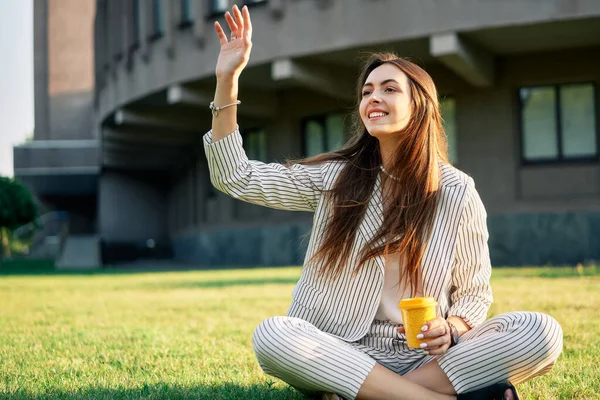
393, 292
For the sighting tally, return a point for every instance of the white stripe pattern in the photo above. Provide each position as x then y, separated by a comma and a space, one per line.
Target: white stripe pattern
329, 316
514, 346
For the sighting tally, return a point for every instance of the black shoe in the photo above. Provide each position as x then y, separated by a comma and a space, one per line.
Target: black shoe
492, 392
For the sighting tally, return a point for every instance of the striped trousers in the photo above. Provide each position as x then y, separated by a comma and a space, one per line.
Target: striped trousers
516, 346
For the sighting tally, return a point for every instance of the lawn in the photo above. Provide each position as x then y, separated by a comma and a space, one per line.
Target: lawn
187, 335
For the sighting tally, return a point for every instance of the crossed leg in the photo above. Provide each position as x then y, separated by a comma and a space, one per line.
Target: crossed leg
515, 346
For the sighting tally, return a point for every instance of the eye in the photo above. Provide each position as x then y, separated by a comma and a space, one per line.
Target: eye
366, 93
390, 89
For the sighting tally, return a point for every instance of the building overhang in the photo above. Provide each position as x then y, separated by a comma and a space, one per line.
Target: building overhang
58, 167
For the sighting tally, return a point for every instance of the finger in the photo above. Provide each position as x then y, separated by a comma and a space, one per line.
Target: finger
433, 332
232, 25
437, 352
220, 33
434, 323
401, 330
239, 21
247, 22
435, 343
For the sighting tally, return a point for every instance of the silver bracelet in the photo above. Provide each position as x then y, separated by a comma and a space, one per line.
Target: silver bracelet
215, 110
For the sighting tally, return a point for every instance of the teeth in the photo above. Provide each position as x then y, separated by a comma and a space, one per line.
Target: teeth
377, 114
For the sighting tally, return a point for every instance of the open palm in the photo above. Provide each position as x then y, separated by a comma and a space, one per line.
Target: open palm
235, 52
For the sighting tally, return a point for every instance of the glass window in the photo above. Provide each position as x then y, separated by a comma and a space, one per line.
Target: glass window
539, 123
255, 144
187, 15
558, 122
314, 138
324, 133
334, 126
578, 121
157, 18
448, 111
218, 6
136, 22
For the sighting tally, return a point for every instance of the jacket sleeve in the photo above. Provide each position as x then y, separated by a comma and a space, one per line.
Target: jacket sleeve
296, 188
472, 293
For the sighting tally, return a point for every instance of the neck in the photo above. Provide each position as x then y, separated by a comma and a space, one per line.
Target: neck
387, 148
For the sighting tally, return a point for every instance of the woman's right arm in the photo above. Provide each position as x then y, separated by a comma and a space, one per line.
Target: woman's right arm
272, 185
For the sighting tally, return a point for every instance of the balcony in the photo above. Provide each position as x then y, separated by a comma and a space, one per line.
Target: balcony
59, 167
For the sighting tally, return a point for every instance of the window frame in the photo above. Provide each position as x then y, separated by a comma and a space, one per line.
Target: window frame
158, 21
560, 159
211, 13
186, 20
136, 31
247, 132
322, 120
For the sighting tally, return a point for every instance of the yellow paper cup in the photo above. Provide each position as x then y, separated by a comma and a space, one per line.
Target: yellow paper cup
415, 313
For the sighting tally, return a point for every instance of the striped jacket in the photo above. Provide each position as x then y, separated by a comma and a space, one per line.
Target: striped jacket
455, 267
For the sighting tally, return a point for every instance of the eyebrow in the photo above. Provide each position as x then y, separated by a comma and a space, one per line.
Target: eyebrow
382, 82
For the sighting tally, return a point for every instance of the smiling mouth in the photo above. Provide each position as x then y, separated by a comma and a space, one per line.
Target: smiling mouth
376, 115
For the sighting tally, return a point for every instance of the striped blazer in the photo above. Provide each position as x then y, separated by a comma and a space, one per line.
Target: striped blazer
455, 268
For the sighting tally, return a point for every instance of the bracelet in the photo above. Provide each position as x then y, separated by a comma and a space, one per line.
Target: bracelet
215, 110
454, 337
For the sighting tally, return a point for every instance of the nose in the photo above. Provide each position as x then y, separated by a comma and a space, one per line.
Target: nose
374, 98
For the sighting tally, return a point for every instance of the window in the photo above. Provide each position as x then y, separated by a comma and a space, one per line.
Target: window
135, 25
255, 144
558, 123
187, 16
218, 6
157, 19
323, 134
448, 111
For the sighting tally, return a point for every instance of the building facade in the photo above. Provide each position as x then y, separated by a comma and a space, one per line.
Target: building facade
61, 164
519, 90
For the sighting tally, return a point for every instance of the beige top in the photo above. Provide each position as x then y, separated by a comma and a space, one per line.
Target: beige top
393, 292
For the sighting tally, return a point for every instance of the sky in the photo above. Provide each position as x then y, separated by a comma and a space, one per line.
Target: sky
16, 78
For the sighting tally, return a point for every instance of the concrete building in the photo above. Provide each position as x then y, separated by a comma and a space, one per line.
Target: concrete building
519, 88
61, 164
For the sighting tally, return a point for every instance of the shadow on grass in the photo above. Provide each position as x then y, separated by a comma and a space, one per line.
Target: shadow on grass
226, 391
47, 268
222, 283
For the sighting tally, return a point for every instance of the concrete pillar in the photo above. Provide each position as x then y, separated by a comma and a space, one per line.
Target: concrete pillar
40, 57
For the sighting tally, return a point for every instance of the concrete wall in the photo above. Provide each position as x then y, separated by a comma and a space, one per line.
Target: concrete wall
70, 46
40, 70
60, 155
131, 208
63, 69
325, 28
489, 139
72, 115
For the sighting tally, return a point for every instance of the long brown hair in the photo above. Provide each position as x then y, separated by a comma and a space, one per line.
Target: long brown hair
408, 219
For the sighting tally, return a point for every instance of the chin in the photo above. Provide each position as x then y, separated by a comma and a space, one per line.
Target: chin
378, 132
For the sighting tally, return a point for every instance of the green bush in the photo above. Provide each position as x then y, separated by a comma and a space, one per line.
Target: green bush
17, 208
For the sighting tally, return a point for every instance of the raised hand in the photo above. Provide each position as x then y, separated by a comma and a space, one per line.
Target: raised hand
235, 52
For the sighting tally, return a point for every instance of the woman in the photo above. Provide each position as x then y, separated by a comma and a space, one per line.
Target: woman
392, 220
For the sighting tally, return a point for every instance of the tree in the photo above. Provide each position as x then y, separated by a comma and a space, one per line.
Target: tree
17, 208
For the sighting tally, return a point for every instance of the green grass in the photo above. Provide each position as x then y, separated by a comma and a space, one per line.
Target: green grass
184, 335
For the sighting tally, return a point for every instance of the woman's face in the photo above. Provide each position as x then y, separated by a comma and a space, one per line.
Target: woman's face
385, 106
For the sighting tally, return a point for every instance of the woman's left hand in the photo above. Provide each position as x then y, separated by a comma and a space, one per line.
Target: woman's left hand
437, 336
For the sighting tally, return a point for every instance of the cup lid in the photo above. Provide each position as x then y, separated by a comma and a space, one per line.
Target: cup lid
417, 302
